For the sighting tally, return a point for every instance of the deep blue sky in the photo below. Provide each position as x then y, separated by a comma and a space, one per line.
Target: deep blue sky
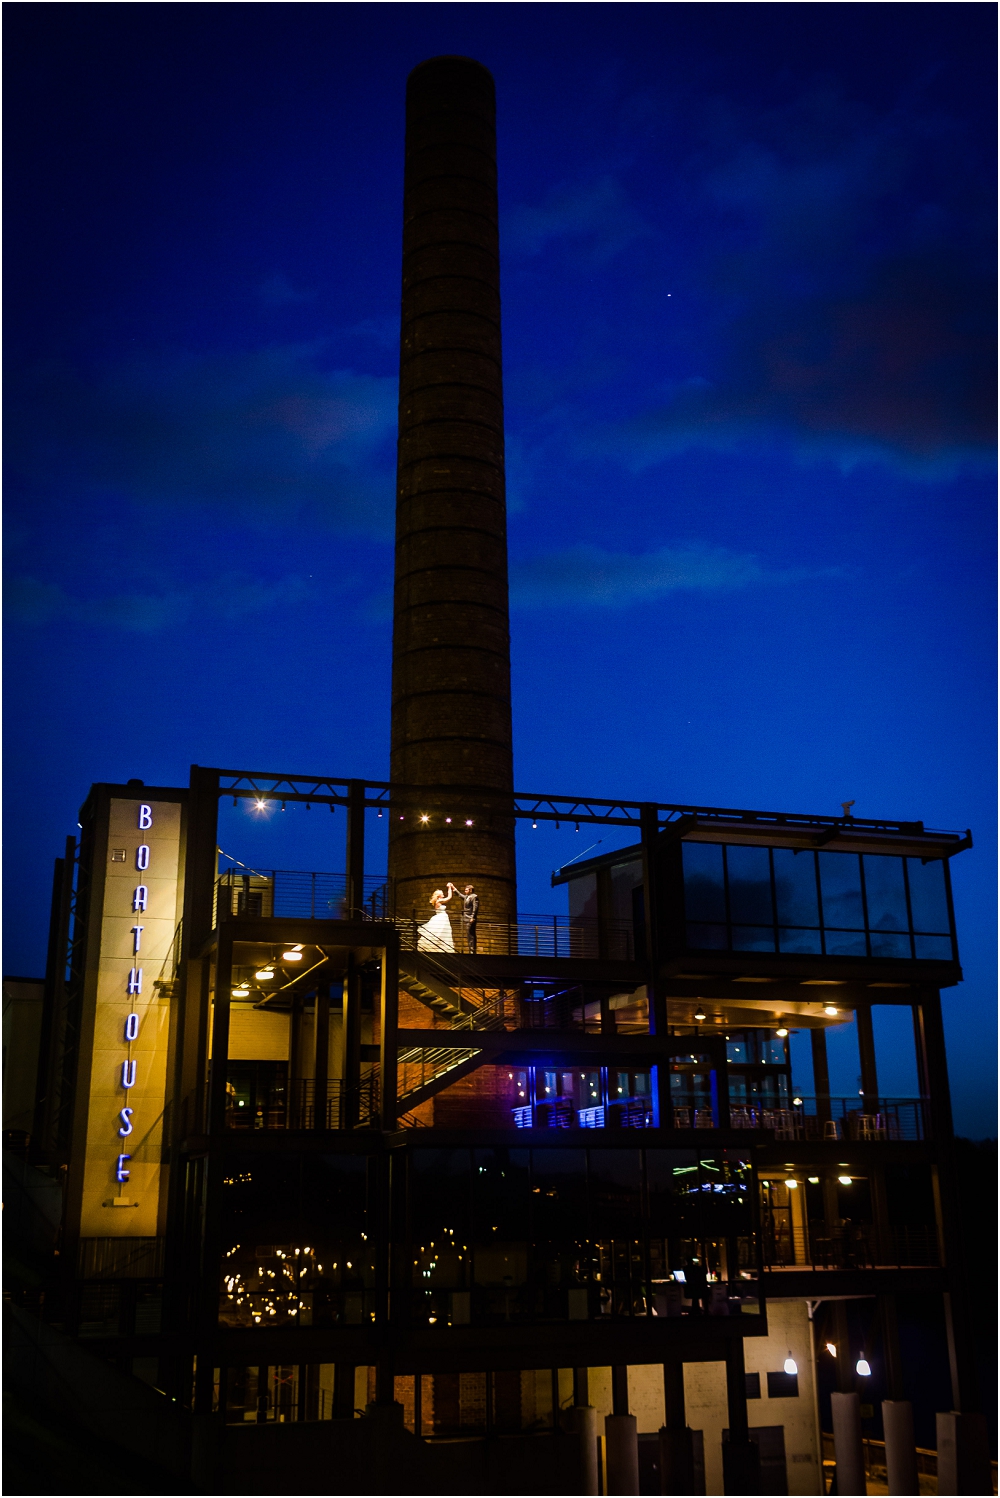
747, 279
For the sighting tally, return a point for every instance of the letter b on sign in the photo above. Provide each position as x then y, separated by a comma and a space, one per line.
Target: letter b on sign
145, 817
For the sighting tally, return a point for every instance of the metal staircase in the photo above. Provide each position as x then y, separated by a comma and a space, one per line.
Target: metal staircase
438, 982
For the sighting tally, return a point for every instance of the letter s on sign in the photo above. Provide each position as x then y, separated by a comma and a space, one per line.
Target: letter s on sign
126, 1117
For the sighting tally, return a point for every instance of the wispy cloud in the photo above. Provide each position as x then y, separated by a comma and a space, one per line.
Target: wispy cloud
588, 576
597, 216
232, 596
268, 436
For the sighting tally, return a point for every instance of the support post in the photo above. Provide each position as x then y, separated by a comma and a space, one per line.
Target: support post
321, 1059
866, 1055
900, 1447
649, 824
355, 893
296, 1100
351, 1069
821, 1075
740, 1455
622, 1445
676, 1443
963, 1454
389, 1013
848, 1447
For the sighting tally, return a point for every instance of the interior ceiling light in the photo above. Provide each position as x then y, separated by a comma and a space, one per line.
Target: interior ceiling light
829, 1009
813, 1180
699, 1013
796, 1102
468, 821
864, 1367
241, 992
424, 817
294, 954
844, 1180
831, 1349
792, 1183
782, 1033
791, 1366
264, 973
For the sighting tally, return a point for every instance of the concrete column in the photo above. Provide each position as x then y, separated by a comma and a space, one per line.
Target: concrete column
622, 1439
847, 1444
963, 1454
582, 1424
900, 1446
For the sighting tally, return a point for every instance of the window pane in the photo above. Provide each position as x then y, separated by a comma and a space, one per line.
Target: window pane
704, 898
840, 881
885, 893
927, 896
933, 948
749, 886
845, 943
799, 941
712, 937
795, 887
888, 944
753, 939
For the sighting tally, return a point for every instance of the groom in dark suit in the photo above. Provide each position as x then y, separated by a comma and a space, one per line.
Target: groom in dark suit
470, 915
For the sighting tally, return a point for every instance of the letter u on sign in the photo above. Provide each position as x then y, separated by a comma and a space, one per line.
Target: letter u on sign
128, 1073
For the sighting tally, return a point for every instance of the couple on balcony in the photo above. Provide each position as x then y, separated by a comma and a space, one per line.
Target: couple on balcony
436, 935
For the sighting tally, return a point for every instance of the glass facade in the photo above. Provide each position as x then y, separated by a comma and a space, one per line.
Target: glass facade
752, 899
521, 1235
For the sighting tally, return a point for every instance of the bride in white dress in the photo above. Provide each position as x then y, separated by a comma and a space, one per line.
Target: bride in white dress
436, 935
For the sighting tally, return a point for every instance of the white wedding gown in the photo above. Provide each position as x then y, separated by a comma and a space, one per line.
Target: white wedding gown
436, 935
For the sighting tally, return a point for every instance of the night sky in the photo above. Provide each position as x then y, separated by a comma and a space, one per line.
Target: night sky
748, 284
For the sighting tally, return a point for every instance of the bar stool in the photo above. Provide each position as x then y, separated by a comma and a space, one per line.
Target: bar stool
831, 1129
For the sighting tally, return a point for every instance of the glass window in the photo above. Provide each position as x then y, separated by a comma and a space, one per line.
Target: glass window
753, 939
799, 941
840, 881
933, 948
795, 888
845, 943
885, 893
614, 1189
712, 937
749, 886
888, 944
927, 895
704, 893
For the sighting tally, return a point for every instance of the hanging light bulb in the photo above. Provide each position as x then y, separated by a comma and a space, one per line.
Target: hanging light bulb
781, 1033
864, 1367
699, 1013
829, 1009
380, 813
831, 1349
791, 1366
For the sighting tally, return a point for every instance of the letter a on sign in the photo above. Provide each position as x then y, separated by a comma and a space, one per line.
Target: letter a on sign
140, 897
145, 817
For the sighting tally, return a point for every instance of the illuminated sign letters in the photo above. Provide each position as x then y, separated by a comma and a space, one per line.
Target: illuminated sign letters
121, 1173
140, 897
145, 817
142, 857
126, 1125
132, 1027
128, 1073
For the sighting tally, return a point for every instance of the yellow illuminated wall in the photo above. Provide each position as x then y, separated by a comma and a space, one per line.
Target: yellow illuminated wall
128, 1063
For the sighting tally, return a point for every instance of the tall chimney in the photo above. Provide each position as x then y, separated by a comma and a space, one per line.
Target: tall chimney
451, 721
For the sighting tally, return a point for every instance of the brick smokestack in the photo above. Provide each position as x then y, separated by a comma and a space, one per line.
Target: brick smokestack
451, 720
